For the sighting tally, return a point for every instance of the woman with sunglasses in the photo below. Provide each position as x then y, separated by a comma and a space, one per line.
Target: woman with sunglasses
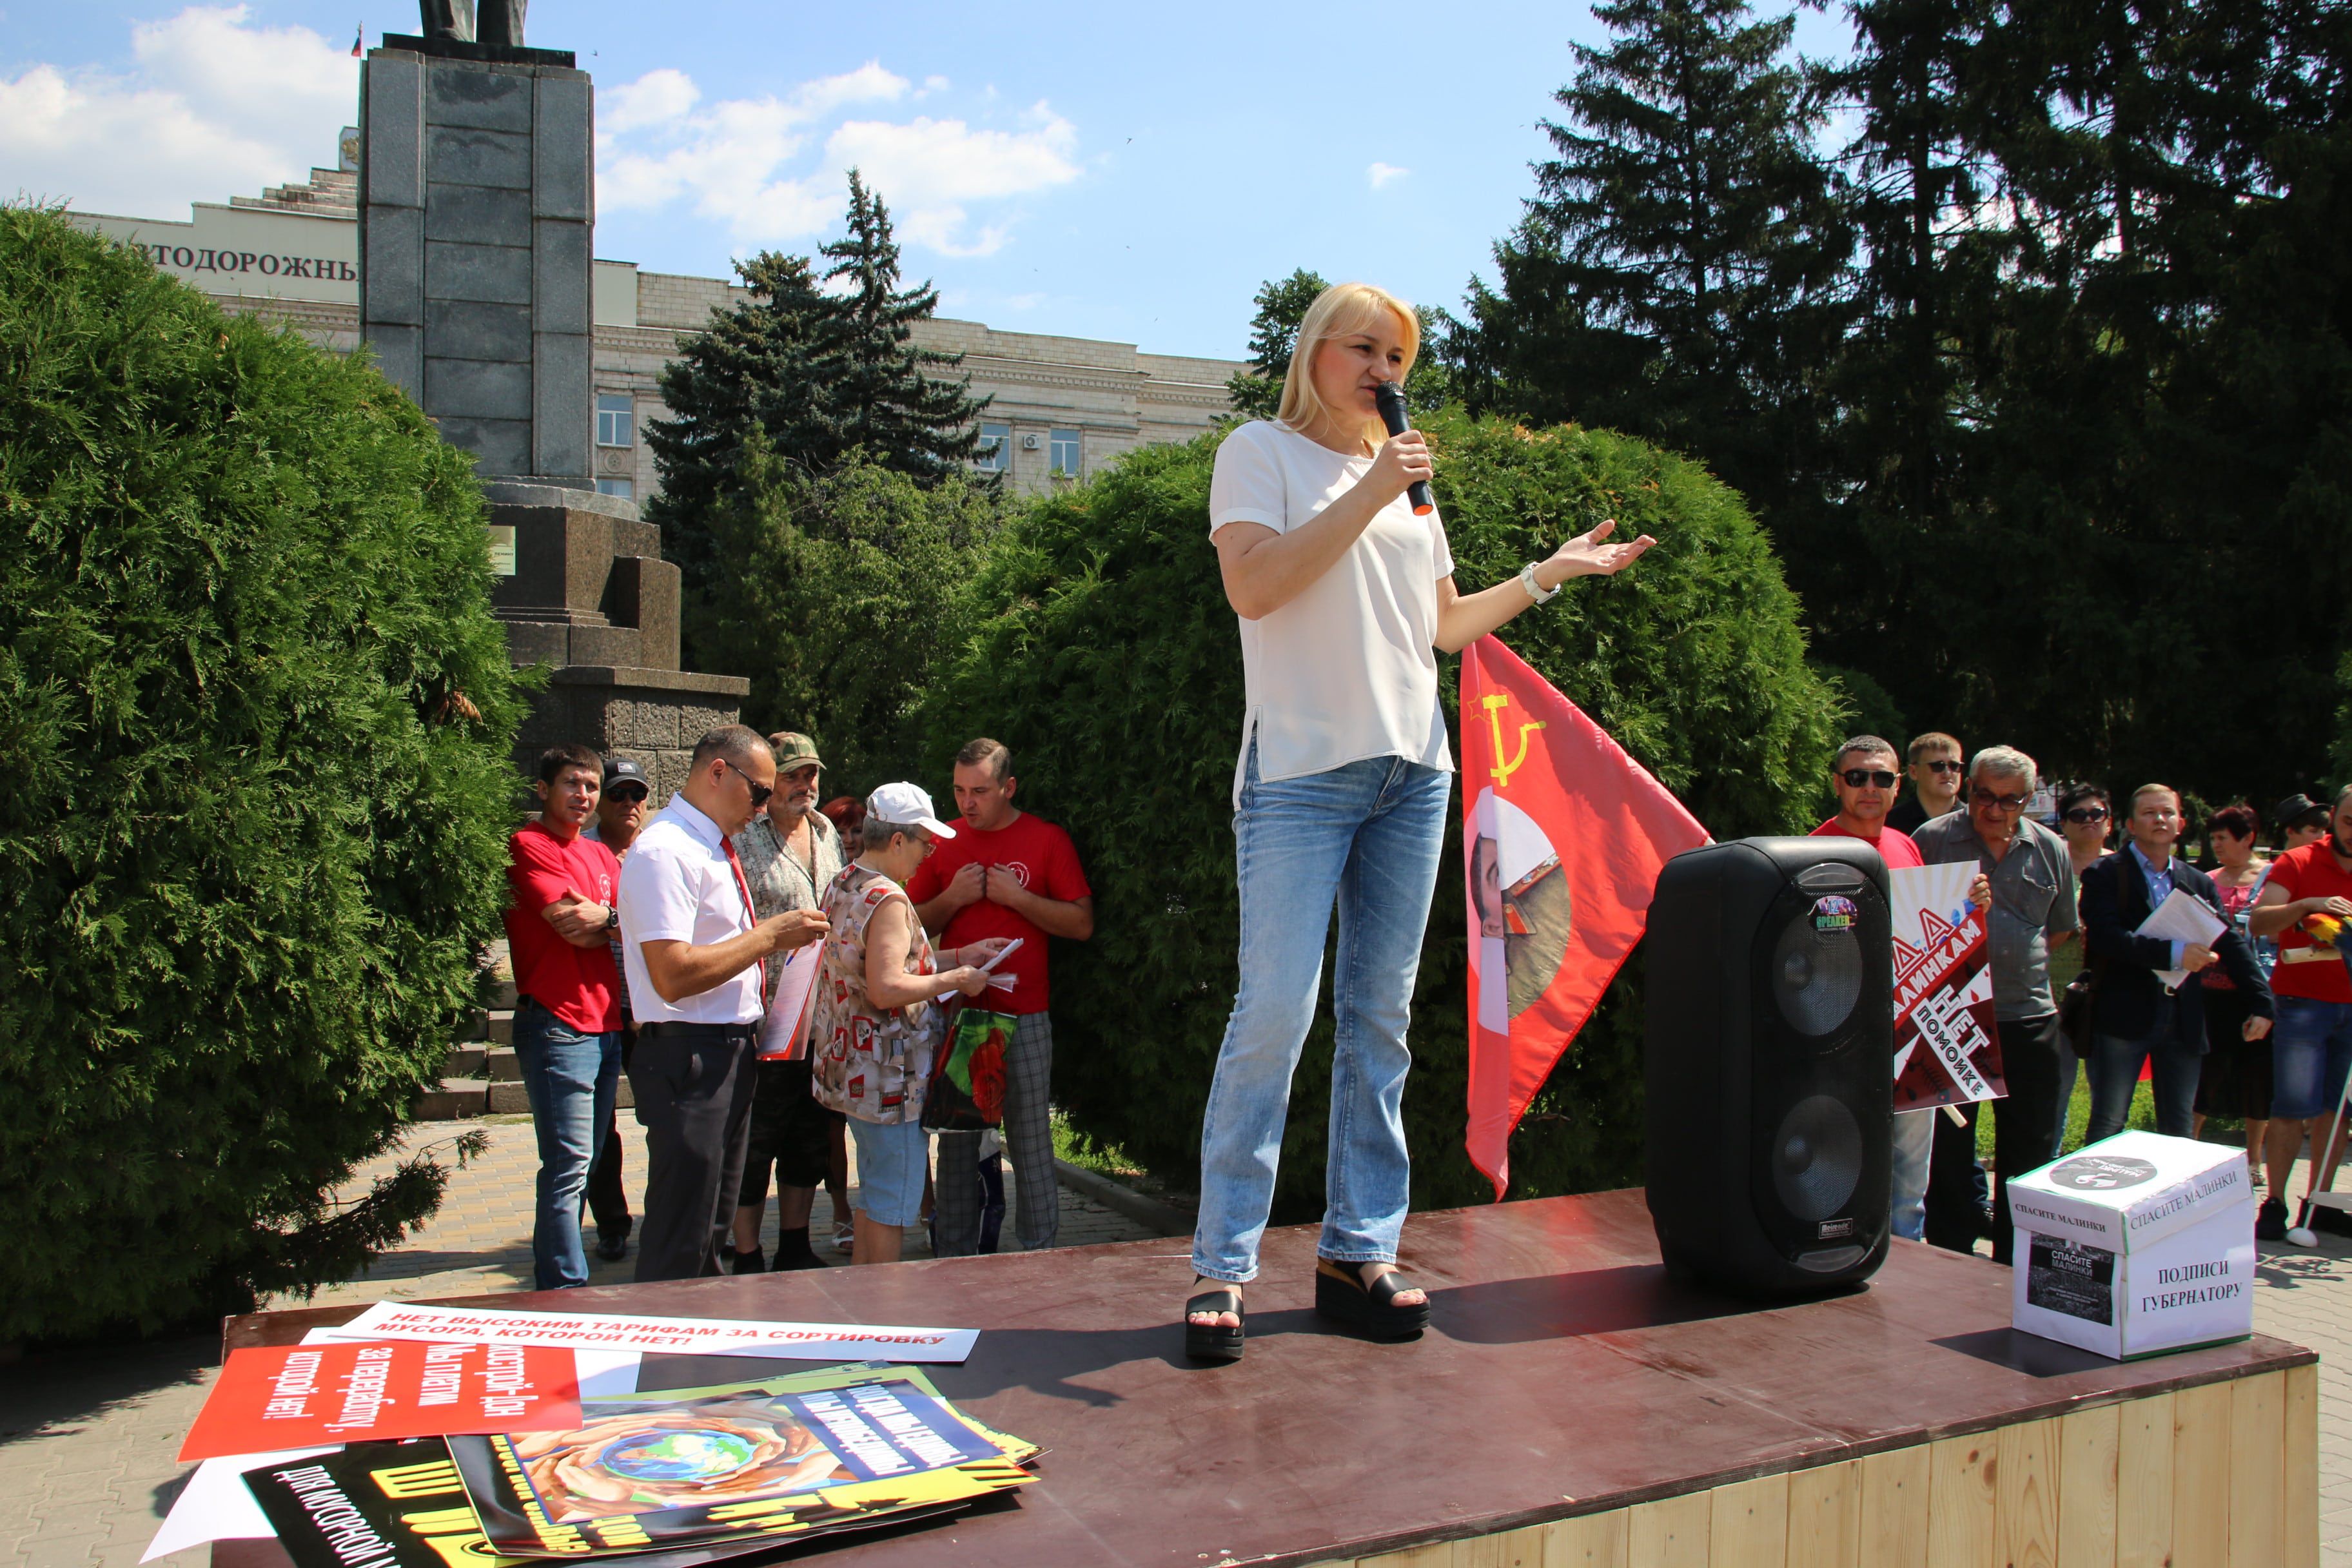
2085, 816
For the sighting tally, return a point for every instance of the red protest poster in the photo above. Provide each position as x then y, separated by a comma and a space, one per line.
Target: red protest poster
1947, 1044
1563, 836
303, 1396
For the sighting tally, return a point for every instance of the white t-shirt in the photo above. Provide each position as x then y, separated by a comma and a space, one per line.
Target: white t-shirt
676, 886
1349, 668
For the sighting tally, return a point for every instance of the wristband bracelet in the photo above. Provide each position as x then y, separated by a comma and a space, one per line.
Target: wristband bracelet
1541, 595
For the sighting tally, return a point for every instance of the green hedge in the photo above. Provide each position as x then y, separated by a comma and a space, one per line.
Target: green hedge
253, 717
1107, 657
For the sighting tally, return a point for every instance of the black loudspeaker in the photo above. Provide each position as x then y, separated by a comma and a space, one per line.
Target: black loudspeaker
1771, 1065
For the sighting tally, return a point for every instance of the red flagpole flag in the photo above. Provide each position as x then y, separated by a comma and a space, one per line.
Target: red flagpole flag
1564, 836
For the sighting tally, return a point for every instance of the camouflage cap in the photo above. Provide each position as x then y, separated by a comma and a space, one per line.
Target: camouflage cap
794, 750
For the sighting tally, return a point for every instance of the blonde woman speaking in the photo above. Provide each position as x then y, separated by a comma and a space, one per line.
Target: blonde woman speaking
1340, 797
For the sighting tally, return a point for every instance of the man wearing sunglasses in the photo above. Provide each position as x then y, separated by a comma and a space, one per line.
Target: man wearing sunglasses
697, 961
1864, 778
2031, 878
1934, 767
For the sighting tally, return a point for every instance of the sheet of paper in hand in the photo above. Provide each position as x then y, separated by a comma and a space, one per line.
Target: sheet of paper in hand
1947, 1044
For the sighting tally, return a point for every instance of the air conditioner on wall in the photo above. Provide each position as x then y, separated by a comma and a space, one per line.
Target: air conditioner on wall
1031, 443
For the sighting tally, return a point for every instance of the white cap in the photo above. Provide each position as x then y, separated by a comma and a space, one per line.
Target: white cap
907, 805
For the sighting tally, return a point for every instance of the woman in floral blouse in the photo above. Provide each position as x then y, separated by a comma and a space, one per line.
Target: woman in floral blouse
877, 1018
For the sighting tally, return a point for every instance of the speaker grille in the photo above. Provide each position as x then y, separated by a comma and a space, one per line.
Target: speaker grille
1817, 1157
1816, 976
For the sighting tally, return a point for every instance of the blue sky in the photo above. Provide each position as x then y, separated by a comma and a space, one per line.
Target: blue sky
1111, 172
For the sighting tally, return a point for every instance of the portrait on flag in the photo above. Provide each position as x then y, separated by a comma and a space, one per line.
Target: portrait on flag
1563, 836
1946, 1044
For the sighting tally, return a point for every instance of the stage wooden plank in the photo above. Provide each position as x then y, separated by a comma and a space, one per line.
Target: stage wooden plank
2200, 1477
1826, 1515
1436, 1555
2025, 1481
2143, 1484
1961, 1500
2299, 1468
2087, 1443
1504, 1549
1589, 1541
1672, 1532
1894, 1494
1750, 1524
2258, 1468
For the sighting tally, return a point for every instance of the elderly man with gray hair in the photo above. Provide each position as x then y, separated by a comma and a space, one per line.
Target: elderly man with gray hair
2033, 886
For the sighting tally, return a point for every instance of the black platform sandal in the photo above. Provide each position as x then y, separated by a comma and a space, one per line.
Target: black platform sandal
1215, 1342
1341, 1293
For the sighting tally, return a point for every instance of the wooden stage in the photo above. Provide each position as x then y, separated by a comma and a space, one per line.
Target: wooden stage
1567, 1406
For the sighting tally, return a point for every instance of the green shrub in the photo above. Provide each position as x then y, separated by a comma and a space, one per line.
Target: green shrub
254, 716
843, 598
1106, 657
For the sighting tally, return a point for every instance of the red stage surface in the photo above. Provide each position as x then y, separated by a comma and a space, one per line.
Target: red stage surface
1561, 1376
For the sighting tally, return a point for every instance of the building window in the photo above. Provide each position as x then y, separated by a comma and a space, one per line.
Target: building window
1065, 453
625, 490
616, 421
995, 453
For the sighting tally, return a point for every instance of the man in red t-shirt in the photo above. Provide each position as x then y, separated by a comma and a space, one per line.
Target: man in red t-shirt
567, 1023
1005, 873
2305, 903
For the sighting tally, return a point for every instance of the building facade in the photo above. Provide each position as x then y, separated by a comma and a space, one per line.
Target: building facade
1059, 408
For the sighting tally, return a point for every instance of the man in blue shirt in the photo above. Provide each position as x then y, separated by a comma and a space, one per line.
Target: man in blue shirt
2138, 1016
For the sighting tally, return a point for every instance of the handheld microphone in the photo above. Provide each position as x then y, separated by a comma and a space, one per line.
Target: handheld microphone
1391, 398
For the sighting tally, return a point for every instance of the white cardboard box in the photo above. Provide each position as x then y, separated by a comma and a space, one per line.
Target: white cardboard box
2135, 1244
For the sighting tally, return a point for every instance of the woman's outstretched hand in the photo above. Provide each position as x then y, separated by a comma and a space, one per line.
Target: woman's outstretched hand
1590, 554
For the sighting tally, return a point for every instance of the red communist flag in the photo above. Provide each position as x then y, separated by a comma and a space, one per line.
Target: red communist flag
1565, 837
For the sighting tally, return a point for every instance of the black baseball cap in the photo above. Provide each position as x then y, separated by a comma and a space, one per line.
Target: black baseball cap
621, 771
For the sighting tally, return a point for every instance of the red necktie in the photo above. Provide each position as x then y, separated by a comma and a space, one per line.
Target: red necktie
735, 862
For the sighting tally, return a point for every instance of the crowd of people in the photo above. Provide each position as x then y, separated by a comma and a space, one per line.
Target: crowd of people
2255, 1026
774, 976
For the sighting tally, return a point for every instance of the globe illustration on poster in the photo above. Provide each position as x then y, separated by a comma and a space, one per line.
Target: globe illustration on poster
678, 1456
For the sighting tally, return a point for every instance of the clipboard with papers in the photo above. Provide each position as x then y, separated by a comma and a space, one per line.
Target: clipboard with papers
783, 1036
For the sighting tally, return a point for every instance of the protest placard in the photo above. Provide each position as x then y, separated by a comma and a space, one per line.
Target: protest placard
590, 1330
292, 1396
1946, 1044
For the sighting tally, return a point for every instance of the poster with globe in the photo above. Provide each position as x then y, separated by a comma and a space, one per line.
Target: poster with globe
774, 1461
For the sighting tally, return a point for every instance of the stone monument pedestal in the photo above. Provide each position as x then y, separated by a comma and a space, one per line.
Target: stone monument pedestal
591, 595
477, 213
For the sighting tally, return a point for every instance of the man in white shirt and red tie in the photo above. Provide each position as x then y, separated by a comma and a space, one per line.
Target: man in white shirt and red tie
697, 964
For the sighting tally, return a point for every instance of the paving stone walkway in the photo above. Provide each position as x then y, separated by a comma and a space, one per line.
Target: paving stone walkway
88, 1438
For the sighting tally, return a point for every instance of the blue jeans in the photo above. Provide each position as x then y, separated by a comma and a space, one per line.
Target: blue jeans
1366, 836
2115, 1076
573, 1079
2311, 1048
1914, 1142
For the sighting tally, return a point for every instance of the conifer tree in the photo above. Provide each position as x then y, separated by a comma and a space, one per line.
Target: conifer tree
1682, 272
882, 394
817, 371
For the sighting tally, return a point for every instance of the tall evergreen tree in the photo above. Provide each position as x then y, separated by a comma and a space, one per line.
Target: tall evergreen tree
817, 370
1281, 304
1682, 270
882, 394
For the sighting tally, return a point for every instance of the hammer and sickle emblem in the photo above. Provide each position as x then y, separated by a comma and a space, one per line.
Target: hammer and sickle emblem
1503, 770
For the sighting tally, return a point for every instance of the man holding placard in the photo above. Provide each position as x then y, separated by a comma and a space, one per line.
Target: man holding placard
790, 856
2152, 924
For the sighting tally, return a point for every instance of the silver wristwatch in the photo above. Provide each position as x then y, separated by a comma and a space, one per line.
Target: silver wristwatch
1541, 595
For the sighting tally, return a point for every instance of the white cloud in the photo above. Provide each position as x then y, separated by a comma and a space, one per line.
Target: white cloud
758, 165
212, 105
653, 98
1380, 174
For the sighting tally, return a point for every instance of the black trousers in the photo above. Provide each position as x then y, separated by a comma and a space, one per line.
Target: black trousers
693, 1086
608, 1198
2022, 1128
